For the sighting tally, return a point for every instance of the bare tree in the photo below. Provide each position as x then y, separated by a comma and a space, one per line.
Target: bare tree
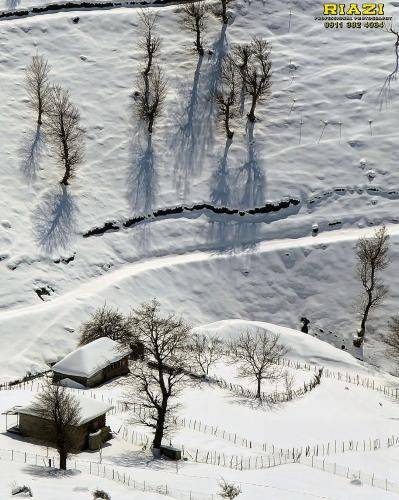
257, 354
391, 339
288, 384
64, 132
385, 92
256, 72
205, 350
157, 383
107, 322
372, 258
151, 97
229, 490
241, 54
62, 410
149, 41
37, 85
226, 94
194, 18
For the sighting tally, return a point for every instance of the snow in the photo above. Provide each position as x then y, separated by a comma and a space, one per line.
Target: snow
328, 137
79, 486
91, 358
301, 346
89, 409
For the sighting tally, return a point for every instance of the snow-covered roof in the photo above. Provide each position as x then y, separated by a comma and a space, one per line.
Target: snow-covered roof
89, 409
91, 358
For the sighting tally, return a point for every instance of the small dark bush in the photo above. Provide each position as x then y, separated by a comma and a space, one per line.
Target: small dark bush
101, 494
21, 490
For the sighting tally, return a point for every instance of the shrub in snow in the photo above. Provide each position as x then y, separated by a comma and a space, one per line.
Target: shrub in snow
229, 490
23, 491
101, 494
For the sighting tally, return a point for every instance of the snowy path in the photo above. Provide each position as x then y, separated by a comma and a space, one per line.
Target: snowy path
111, 278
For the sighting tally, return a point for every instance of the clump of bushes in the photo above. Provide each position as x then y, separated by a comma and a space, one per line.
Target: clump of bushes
100, 494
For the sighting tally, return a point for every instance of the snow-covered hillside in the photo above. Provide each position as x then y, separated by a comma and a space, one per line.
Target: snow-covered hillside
324, 162
221, 233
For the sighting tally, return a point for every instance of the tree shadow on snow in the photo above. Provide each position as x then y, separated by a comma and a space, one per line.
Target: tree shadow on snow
195, 118
31, 153
140, 459
221, 180
49, 472
142, 181
12, 4
54, 220
244, 189
186, 141
250, 180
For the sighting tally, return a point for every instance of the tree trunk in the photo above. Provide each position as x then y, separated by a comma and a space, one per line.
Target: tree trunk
67, 174
258, 392
39, 118
149, 64
366, 312
251, 114
224, 13
63, 459
159, 431
66, 156
198, 43
150, 124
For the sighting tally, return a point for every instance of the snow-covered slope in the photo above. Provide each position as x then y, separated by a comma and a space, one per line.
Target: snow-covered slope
313, 141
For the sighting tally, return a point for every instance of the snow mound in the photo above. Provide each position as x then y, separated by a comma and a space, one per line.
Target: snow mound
91, 358
302, 347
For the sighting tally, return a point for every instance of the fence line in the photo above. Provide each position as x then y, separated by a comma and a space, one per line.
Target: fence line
273, 397
268, 449
104, 470
349, 473
354, 379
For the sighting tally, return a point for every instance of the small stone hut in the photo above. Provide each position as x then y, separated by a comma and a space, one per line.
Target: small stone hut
94, 363
90, 432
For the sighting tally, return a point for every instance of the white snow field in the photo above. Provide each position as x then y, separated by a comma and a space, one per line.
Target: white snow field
323, 150
41, 243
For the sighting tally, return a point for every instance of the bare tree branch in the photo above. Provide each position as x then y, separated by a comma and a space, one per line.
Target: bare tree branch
151, 98
37, 85
64, 132
156, 384
372, 257
255, 69
204, 351
226, 94
149, 41
257, 354
62, 409
108, 322
194, 18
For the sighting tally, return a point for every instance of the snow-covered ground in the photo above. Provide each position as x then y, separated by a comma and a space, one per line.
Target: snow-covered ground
328, 138
256, 277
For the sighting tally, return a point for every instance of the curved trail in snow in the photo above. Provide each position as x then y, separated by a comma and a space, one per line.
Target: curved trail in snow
100, 283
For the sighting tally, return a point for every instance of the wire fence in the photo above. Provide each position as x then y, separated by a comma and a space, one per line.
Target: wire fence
266, 449
349, 378
273, 397
356, 476
104, 470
